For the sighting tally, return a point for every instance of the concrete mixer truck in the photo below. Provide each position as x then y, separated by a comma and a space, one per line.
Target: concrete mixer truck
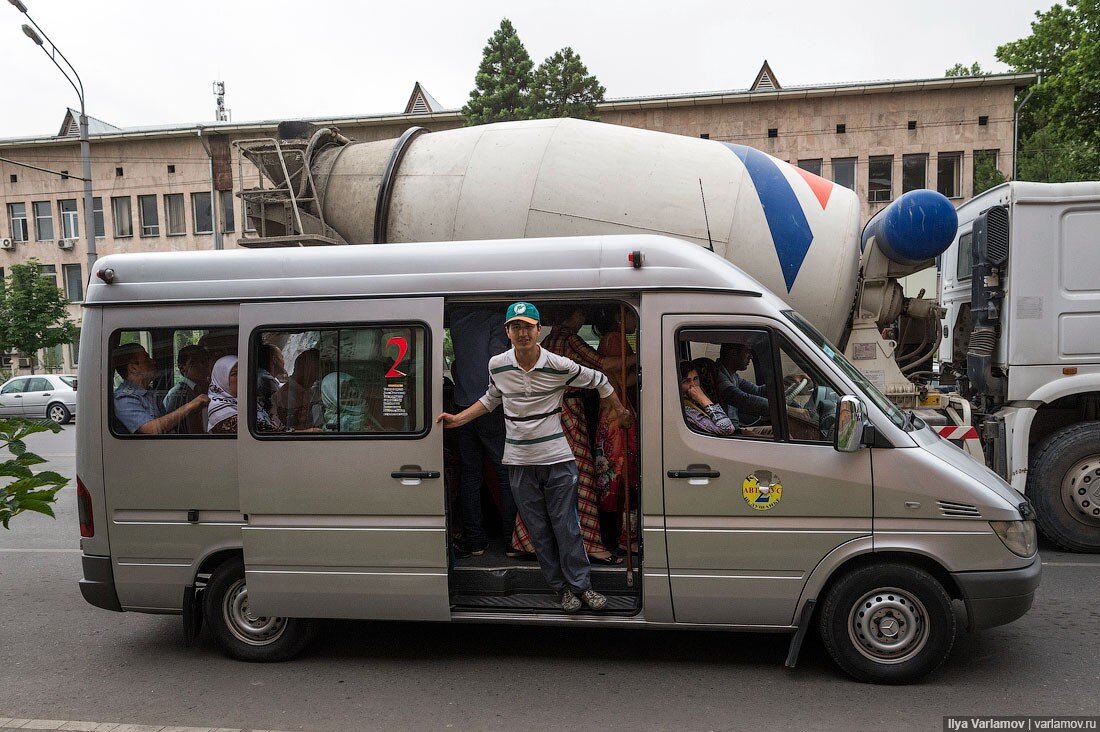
796, 233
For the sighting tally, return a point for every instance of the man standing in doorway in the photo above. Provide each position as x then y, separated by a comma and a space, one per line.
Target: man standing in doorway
530, 382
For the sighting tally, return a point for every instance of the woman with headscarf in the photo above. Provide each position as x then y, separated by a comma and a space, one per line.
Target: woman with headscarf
344, 407
221, 415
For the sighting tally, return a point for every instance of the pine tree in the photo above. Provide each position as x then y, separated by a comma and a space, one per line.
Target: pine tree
33, 312
562, 87
503, 81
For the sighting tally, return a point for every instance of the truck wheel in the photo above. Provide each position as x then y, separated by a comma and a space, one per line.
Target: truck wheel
888, 623
59, 413
1064, 483
241, 634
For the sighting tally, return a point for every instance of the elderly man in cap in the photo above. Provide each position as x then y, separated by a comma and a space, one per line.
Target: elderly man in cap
530, 382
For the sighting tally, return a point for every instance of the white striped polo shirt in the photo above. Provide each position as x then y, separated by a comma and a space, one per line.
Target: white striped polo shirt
532, 404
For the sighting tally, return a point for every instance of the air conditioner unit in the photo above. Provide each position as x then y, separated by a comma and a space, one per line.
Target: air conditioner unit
66, 243
7, 244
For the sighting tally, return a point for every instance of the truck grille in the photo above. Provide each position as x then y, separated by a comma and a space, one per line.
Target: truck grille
965, 510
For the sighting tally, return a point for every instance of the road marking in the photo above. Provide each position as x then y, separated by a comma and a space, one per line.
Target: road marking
38, 551
61, 724
1071, 564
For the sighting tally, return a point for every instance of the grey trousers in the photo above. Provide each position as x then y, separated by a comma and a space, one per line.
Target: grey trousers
546, 497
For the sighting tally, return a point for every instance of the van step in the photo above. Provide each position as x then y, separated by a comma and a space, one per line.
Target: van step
616, 604
527, 579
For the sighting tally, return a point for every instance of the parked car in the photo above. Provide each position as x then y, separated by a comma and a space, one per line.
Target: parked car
45, 395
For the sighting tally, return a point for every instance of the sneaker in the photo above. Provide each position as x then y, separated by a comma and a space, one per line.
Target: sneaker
593, 599
478, 549
569, 602
512, 553
460, 551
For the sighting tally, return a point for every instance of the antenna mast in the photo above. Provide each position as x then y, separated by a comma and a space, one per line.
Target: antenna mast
223, 114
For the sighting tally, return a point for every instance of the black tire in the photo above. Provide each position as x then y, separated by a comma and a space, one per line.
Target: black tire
1063, 482
245, 637
856, 618
59, 413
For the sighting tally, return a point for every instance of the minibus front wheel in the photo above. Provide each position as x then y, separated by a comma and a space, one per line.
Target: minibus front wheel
888, 623
242, 634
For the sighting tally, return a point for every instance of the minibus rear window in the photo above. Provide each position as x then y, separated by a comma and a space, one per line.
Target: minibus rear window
359, 380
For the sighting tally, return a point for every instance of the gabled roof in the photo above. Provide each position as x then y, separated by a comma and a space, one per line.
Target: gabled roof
765, 79
421, 102
70, 125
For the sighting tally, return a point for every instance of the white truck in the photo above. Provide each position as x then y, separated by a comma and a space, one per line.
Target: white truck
1021, 338
797, 234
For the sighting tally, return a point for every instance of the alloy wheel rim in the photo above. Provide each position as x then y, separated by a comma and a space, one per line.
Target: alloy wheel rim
1081, 490
888, 625
57, 414
248, 628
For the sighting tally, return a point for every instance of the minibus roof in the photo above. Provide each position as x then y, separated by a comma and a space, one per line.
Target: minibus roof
502, 266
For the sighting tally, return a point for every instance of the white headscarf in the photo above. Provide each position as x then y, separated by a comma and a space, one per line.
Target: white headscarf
223, 405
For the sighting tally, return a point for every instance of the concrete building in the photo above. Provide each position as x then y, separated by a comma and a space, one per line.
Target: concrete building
174, 187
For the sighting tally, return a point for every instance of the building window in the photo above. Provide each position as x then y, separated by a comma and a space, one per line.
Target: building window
983, 120
914, 172
97, 216
14, 178
124, 219
48, 271
773, 132
985, 163
844, 172
704, 136
17, 215
228, 224
70, 228
200, 209
880, 178
147, 211
912, 124
813, 165
74, 282
43, 220
841, 128
949, 174
171, 169
118, 172
174, 215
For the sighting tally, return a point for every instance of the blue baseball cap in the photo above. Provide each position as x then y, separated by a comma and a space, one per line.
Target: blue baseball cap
524, 311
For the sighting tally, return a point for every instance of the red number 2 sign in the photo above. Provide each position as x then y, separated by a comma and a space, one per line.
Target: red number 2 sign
402, 351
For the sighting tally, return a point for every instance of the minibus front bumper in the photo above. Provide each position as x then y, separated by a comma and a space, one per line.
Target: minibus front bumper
98, 584
998, 597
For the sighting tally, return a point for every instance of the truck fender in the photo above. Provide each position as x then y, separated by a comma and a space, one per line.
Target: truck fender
1021, 426
811, 591
1066, 386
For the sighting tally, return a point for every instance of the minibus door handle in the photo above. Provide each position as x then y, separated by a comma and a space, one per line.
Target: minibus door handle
412, 475
696, 474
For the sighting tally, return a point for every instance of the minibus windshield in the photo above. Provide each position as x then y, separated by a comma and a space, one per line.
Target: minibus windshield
870, 390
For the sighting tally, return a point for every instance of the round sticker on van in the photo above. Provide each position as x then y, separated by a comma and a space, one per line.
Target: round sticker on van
762, 490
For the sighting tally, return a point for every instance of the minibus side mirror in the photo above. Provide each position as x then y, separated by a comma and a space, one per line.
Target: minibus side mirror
848, 436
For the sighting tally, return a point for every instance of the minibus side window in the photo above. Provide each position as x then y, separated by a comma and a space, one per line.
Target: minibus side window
328, 382
727, 382
159, 379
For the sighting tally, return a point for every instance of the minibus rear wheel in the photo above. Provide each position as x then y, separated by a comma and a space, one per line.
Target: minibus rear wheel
888, 623
240, 633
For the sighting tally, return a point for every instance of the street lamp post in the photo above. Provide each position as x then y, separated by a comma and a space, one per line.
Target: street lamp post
37, 35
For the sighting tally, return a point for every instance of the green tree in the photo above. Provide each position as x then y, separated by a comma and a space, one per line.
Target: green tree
986, 173
1060, 124
33, 312
27, 490
502, 85
974, 69
562, 87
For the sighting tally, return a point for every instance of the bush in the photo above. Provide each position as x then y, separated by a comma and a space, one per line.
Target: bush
28, 490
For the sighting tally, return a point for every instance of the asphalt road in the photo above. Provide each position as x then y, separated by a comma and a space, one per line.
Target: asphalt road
63, 660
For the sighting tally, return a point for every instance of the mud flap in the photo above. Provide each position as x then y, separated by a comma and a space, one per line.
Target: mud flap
192, 615
800, 634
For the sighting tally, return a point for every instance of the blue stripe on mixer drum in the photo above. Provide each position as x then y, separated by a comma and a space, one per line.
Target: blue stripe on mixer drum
790, 230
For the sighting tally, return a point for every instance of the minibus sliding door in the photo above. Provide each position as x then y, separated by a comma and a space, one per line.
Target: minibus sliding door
345, 513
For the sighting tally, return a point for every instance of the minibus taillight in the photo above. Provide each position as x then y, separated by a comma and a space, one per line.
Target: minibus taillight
84, 509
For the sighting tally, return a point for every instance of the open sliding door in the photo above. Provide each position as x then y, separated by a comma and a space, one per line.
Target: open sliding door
340, 464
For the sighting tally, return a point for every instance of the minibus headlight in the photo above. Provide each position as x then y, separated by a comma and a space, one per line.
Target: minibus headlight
1018, 536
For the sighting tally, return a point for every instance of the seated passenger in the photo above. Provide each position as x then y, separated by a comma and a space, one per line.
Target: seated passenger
137, 408
297, 404
701, 413
345, 408
221, 418
194, 365
270, 375
708, 376
743, 401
